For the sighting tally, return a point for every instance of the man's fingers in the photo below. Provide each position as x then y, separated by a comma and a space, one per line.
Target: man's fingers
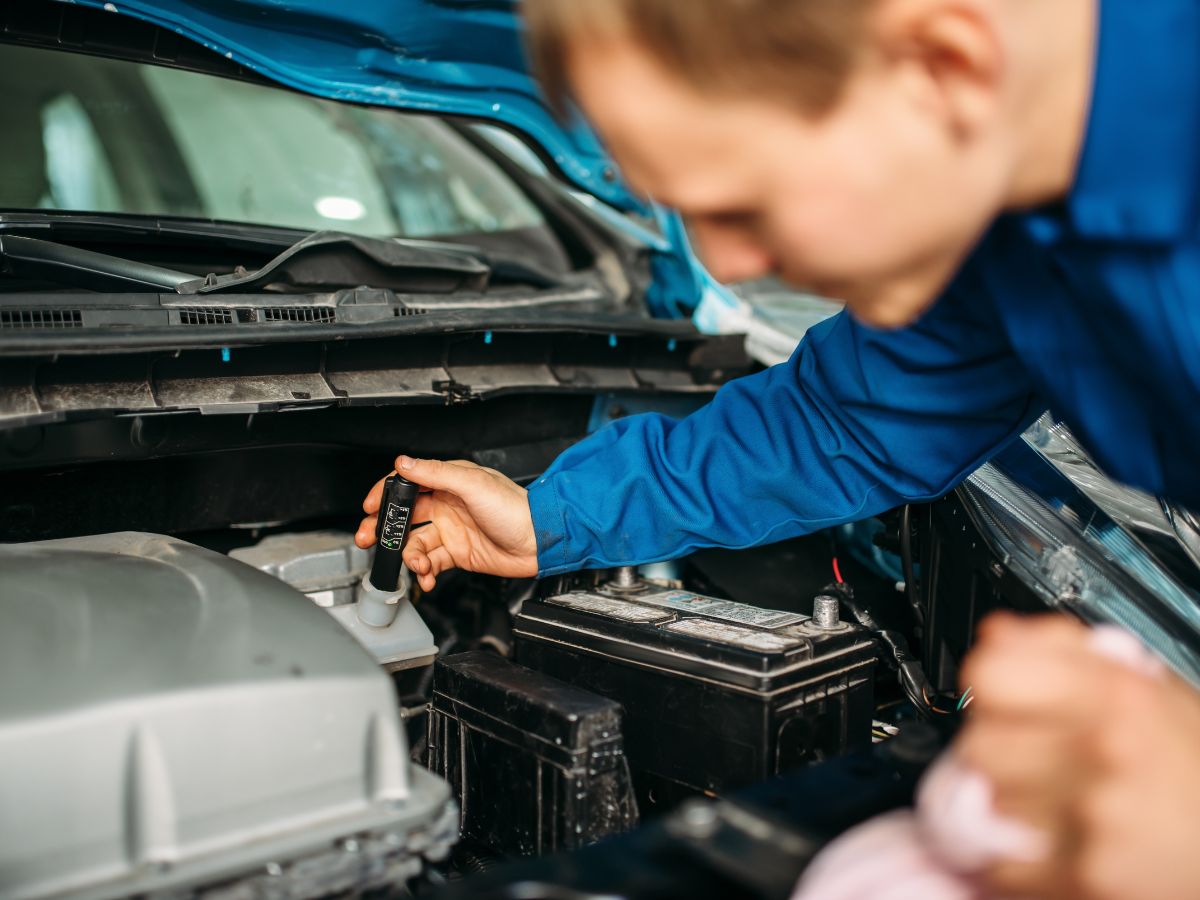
416, 555
1054, 670
441, 560
1032, 766
427, 565
434, 474
1016, 751
1043, 880
421, 543
424, 509
423, 553
1046, 630
365, 536
1065, 688
440, 475
427, 556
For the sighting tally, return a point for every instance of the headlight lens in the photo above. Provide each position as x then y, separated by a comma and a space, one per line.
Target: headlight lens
1084, 542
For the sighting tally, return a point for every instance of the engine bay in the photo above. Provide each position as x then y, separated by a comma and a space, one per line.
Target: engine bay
207, 689
194, 675
238, 727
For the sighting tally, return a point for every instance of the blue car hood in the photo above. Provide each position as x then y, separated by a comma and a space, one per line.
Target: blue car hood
453, 57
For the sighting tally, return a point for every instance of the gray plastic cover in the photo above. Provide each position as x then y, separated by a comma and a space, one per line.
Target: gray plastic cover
326, 565
169, 717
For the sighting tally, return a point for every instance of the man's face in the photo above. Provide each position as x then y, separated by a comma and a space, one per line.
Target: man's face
876, 203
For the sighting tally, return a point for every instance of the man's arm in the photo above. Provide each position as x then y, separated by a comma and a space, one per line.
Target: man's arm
856, 422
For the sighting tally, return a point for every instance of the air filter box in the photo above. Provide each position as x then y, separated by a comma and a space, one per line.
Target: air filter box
176, 723
716, 694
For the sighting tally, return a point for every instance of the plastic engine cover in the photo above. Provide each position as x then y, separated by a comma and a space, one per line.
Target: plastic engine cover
171, 718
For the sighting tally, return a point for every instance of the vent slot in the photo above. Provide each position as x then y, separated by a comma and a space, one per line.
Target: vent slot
41, 318
316, 314
205, 315
409, 311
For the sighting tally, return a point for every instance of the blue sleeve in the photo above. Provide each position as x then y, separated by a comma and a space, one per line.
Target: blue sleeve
858, 421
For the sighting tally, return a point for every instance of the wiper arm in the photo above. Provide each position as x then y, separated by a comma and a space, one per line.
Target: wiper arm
327, 260
322, 261
25, 257
134, 229
507, 268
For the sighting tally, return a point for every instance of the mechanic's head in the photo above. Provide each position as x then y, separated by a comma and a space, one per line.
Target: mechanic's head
857, 148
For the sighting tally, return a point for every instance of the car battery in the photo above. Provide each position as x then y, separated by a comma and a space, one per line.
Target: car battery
537, 765
716, 694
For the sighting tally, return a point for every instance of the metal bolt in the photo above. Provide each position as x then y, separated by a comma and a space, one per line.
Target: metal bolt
825, 612
625, 577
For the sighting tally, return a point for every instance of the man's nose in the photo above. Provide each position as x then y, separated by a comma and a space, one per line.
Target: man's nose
731, 257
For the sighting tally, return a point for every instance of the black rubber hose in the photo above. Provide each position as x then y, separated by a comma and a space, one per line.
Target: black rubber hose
906, 562
899, 656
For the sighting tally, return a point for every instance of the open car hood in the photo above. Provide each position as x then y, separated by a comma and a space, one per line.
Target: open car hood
451, 57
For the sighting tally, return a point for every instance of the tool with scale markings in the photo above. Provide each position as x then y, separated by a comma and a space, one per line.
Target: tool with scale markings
384, 619
391, 531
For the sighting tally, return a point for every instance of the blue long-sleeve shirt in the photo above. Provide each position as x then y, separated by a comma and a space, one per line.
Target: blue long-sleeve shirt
1090, 308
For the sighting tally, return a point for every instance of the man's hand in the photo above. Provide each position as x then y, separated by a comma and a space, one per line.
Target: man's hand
1101, 755
480, 521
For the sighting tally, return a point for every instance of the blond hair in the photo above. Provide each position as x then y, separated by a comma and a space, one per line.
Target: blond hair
801, 50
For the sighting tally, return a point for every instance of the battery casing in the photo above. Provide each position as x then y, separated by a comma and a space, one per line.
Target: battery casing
716, 694
537, 764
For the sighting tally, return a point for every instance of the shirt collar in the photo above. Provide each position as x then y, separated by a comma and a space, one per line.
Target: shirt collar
1138, 173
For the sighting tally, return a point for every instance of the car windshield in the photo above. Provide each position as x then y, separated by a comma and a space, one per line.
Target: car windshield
99, 135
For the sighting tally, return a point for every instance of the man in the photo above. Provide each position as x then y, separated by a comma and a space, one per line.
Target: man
1004, 192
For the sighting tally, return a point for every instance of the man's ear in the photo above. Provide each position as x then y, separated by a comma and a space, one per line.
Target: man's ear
949, 55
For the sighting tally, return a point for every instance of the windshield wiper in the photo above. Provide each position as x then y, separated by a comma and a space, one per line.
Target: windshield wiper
322, 261
136, 229
508, 268
328, 260
25, 257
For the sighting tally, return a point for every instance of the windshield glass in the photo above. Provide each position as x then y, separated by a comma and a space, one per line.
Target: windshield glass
99, 135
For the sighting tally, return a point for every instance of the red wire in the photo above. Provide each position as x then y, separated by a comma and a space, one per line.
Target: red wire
837, 572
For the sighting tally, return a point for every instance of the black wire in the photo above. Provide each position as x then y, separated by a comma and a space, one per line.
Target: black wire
899, 657
906, 561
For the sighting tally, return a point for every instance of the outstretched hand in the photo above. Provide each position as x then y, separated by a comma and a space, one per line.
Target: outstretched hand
479, 521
